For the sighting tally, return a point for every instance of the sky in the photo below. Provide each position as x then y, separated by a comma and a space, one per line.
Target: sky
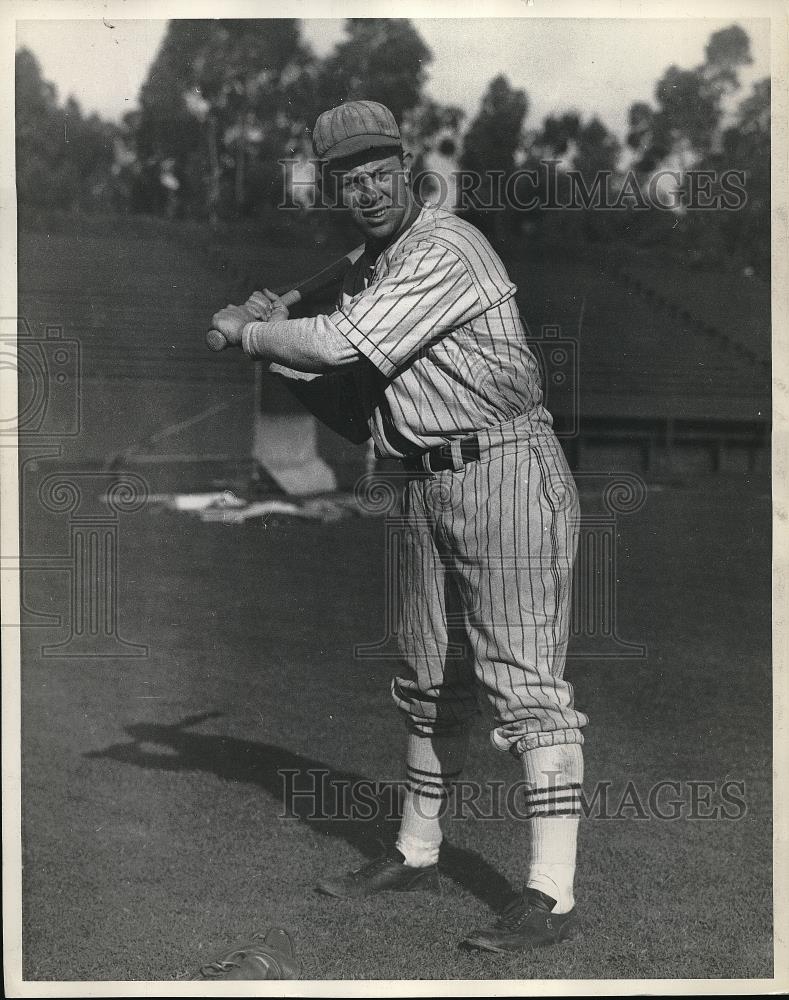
597, 66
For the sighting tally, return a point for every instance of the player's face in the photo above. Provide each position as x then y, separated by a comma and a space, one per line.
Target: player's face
378, 196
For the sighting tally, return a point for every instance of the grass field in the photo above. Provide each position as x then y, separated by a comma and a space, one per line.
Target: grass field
153, 806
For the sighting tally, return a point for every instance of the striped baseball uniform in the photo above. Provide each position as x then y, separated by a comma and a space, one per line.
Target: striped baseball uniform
489, 542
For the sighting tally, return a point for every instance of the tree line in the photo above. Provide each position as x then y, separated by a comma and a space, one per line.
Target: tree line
225, 101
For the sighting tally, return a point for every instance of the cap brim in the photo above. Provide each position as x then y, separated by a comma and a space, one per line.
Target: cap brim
356, 144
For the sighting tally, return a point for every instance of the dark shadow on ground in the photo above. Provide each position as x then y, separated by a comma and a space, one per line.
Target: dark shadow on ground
305, 788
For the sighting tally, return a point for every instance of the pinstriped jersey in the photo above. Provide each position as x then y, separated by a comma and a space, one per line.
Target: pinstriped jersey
435, 315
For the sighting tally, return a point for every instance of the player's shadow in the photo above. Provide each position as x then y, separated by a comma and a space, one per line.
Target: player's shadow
285, 776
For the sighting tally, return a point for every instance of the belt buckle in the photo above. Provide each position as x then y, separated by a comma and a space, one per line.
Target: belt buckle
447, 455
469, 448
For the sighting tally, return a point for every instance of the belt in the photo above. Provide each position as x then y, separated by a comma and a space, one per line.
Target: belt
453, 455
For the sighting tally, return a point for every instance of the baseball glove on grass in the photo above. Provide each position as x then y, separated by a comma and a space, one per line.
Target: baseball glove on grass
267, 956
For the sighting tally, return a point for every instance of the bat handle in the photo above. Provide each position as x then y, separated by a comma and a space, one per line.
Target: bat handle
217, 341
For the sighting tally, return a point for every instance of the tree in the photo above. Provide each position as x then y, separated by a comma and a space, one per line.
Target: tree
489, 149
597, 150
691, 129
746, 146
686, 121
430, 128
575, 162
38, 132
725, 52
225, 101
430, 122
495, 134
64, 160
381, 59
556, 136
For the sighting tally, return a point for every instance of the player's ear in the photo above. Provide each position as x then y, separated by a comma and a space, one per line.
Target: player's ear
406, 161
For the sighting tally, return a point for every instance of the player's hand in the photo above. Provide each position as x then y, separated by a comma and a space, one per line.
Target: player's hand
231, 321
267, 306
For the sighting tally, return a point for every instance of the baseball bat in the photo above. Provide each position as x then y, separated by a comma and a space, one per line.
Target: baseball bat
327, 276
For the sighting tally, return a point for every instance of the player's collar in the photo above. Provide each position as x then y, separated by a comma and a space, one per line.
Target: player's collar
371, 256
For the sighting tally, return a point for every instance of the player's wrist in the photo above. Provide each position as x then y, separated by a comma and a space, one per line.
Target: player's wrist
248, 340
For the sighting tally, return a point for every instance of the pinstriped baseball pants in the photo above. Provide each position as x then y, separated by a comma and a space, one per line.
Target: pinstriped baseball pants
485, 581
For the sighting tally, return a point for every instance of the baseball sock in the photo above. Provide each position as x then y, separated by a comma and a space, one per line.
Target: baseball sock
554, 776
432, 764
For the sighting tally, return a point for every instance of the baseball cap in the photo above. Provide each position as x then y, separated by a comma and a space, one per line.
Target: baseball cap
353, 128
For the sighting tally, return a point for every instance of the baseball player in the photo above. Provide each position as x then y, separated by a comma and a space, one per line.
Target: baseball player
426, 353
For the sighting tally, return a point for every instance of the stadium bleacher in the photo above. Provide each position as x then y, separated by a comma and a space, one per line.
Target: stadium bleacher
640, 362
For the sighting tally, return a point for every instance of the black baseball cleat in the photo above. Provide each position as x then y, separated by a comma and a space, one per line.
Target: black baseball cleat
525, 924
389, 873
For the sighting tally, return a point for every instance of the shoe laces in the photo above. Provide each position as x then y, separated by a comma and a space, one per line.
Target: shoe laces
373, 866
515, 913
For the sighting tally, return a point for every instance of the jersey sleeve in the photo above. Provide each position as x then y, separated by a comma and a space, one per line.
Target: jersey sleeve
426, 292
